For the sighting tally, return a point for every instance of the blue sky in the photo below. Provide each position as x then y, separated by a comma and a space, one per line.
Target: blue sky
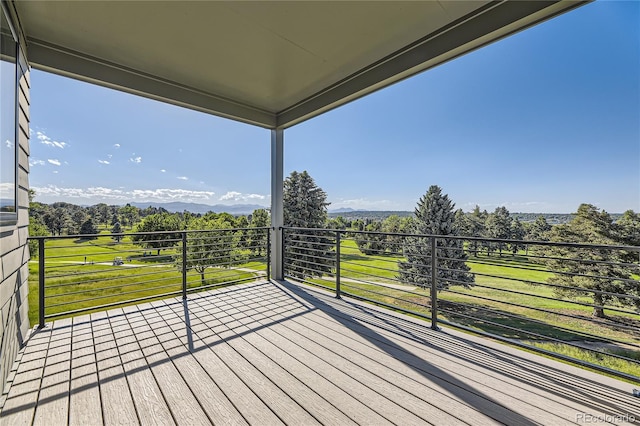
539, 122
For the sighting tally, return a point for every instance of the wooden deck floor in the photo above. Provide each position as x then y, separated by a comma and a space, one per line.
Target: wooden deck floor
274, 353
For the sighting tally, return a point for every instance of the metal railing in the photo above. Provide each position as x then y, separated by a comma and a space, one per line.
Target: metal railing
84, 273
577, 302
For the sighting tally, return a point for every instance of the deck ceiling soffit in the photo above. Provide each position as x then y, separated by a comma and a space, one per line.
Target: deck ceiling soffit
272, 64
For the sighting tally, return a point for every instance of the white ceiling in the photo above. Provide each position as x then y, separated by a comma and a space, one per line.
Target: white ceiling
272, 64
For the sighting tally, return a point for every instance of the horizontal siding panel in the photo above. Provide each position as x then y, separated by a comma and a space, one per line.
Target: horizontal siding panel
24, 102
9, 239
23, 160
24, 92
23, 141
26, 76
12, 261
23, 234
24, 326
23, 178
7, 289
23, 121
25, 256
23, 201
23, 215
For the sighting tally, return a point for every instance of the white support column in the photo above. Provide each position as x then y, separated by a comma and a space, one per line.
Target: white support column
277, 212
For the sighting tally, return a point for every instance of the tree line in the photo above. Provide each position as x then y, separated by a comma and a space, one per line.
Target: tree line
609, 276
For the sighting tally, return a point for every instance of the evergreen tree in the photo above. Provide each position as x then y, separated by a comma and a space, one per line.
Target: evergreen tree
477, 224
628, 228
599, 270
309, 253
372, 244
498, 226
117, 229
538, 231
434, 215
517, 233
88, 228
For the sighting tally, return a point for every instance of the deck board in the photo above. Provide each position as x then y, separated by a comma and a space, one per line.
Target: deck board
53, 400
117, 401
85, 405
278, 353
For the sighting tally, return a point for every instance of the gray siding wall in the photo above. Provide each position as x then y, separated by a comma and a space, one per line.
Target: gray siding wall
14, 251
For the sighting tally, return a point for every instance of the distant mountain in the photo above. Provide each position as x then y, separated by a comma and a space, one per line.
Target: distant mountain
178, 206
351, 214
342, 210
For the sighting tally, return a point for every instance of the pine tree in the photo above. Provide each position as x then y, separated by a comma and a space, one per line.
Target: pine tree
498, 226
434, 215
88, 228
601, 271
305, 204
117, 229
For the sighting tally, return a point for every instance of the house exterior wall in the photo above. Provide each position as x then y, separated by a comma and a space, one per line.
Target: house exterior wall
14, 251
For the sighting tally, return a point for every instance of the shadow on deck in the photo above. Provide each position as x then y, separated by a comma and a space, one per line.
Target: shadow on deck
274, 353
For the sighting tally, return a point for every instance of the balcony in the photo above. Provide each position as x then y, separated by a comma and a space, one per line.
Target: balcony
230, 345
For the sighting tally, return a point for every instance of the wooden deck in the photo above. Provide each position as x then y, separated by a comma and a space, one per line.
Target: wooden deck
273, 353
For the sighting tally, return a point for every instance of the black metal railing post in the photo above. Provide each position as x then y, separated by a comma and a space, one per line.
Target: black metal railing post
282, 251
41, 282
184, 264
434, 284
268, 230
337, 264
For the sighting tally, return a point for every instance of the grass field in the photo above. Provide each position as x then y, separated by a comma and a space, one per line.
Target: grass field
80, 274
502, 302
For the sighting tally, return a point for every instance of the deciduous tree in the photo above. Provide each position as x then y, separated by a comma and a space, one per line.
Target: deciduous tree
156, 223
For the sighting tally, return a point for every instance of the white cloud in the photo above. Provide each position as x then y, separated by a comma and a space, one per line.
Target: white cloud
34, 162
183, 178
109, 156
54, 162
238, 196
116, 145
55, 172
103, 162
102, 194
7, 190
136, 160
163, 170
166, 194
46, 140
8, 144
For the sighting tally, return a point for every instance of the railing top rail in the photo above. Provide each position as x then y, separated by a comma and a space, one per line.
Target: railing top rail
458, 237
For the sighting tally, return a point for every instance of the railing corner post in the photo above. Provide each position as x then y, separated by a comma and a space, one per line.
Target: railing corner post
338, 264
282, 251
41, 282
184, 265
268, 230
434, 284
